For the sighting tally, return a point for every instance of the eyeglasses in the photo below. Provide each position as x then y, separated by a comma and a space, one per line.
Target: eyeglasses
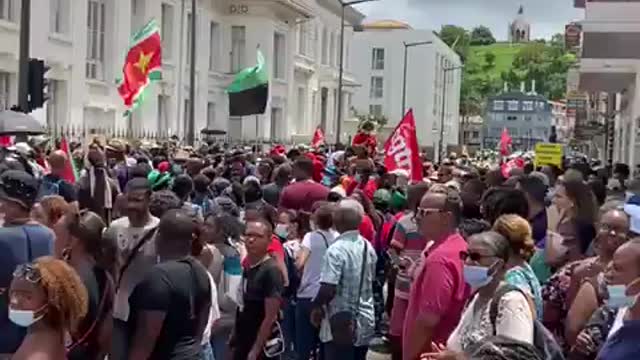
473, 256
28, 272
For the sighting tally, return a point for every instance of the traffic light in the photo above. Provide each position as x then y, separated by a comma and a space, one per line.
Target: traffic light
37, 83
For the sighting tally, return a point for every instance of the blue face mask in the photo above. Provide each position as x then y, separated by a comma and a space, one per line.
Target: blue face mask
476, 276
618, 298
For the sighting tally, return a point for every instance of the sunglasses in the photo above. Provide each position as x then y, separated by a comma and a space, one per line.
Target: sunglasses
28, 272
473, 256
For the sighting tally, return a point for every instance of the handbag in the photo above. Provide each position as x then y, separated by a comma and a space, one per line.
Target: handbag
344, 324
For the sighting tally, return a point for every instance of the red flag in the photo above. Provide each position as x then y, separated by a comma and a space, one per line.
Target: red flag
70, 173
506, 167
318, 138
401, 148
505, 142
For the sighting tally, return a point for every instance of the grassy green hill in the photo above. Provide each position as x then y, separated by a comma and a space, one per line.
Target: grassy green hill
504, 52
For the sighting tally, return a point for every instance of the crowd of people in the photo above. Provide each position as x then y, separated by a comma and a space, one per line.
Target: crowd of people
223, 253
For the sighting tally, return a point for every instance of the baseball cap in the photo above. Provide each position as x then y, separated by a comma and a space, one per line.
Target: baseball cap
19, 186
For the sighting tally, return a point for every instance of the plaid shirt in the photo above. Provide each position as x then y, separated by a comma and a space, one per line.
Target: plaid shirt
342, 266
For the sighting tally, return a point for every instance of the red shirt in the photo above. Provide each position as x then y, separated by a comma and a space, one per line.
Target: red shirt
439, 288
368, 189
366, 229
301, 195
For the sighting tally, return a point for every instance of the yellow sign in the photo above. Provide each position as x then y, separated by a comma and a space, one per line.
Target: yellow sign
549, 154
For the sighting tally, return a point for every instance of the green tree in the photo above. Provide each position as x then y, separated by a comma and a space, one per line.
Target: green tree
489, 60
482, 35
457, 38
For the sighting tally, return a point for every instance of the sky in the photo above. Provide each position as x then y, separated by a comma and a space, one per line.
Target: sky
546, 17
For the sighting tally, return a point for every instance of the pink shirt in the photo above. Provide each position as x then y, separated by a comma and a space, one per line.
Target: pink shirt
439, 288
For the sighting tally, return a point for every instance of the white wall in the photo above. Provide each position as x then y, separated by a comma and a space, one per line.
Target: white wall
422, 83
96, 104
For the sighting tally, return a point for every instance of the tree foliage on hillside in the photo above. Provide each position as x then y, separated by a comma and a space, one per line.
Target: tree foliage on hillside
545, 62
482, 35
457, 38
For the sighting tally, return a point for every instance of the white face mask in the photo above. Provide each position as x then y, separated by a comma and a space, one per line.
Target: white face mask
24, 318
282, 230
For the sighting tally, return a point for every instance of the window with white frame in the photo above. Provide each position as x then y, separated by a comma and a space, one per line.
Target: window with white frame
167, 18
211, 115
214, 44
59, 16
498, 105
527, 105
8, 10
377, 84
302, 38
278, 56
95, 39
377, 59
375, 109
5, 88
512, 105
325, 47
238, 47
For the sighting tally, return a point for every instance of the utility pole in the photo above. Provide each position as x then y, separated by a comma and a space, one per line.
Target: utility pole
192, 80
404, 77
23, 84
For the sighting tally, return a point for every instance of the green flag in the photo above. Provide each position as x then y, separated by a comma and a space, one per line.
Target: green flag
249, 91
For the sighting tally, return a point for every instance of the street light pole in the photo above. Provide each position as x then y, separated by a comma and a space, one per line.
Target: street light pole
343, 4
192, 78
444, 102
404, 76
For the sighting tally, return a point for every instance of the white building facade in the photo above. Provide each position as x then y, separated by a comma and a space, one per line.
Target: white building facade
378, 64
610, 64
84, 42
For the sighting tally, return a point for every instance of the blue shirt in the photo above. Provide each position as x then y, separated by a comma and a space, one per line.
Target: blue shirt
623, 344
18, 245
342, 266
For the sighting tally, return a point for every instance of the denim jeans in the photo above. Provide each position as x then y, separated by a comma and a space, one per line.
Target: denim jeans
289, 329
333, 351
306, 333
219, 344
207, 352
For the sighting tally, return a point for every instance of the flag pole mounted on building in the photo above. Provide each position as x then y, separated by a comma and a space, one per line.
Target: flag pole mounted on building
142, 66
249, 91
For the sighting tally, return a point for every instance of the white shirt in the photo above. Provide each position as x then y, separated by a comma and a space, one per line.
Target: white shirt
315, 244
515, 320
214, 312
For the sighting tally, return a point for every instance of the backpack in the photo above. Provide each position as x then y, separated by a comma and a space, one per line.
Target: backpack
293, 273
543, 340
48, 188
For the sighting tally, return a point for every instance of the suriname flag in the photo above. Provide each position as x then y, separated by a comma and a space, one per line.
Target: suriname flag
142, 65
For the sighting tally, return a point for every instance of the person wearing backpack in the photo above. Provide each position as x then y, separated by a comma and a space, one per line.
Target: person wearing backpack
497, 309
313, 248
54, 182
484, 270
